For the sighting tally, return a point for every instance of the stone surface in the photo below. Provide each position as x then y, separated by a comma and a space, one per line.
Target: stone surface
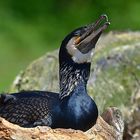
39, 75
132, 131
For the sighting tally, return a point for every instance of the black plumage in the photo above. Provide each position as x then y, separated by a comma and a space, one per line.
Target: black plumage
72, 107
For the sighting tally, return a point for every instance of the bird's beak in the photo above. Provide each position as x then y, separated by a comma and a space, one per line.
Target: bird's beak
87, 41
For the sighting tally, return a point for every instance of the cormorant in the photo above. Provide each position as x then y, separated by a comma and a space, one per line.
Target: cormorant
72, 107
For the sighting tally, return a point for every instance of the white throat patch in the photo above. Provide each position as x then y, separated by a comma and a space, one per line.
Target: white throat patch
77, 56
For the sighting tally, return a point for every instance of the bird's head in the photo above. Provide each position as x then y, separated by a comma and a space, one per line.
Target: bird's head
78, 45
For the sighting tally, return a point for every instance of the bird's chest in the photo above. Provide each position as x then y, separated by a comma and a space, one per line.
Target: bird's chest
76, 113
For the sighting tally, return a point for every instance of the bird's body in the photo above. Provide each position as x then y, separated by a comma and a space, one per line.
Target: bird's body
33, 108
72, 107
27, 108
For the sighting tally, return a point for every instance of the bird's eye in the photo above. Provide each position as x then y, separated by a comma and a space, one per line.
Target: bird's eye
77, 33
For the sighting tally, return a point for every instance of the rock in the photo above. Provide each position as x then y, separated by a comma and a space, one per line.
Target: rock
101, 131
133, 126
42, 74
113, 117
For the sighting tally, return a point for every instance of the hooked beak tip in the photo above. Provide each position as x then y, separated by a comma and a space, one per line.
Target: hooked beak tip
104, 16
88, 40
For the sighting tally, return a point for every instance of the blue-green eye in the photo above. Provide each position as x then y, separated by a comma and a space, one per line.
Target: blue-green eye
80, 31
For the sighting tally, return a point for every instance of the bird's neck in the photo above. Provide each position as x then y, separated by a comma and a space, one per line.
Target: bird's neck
71, 76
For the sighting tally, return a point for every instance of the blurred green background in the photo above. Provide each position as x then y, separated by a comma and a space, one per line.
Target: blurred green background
30, 28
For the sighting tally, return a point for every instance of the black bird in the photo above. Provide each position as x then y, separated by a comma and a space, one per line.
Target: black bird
72, 107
